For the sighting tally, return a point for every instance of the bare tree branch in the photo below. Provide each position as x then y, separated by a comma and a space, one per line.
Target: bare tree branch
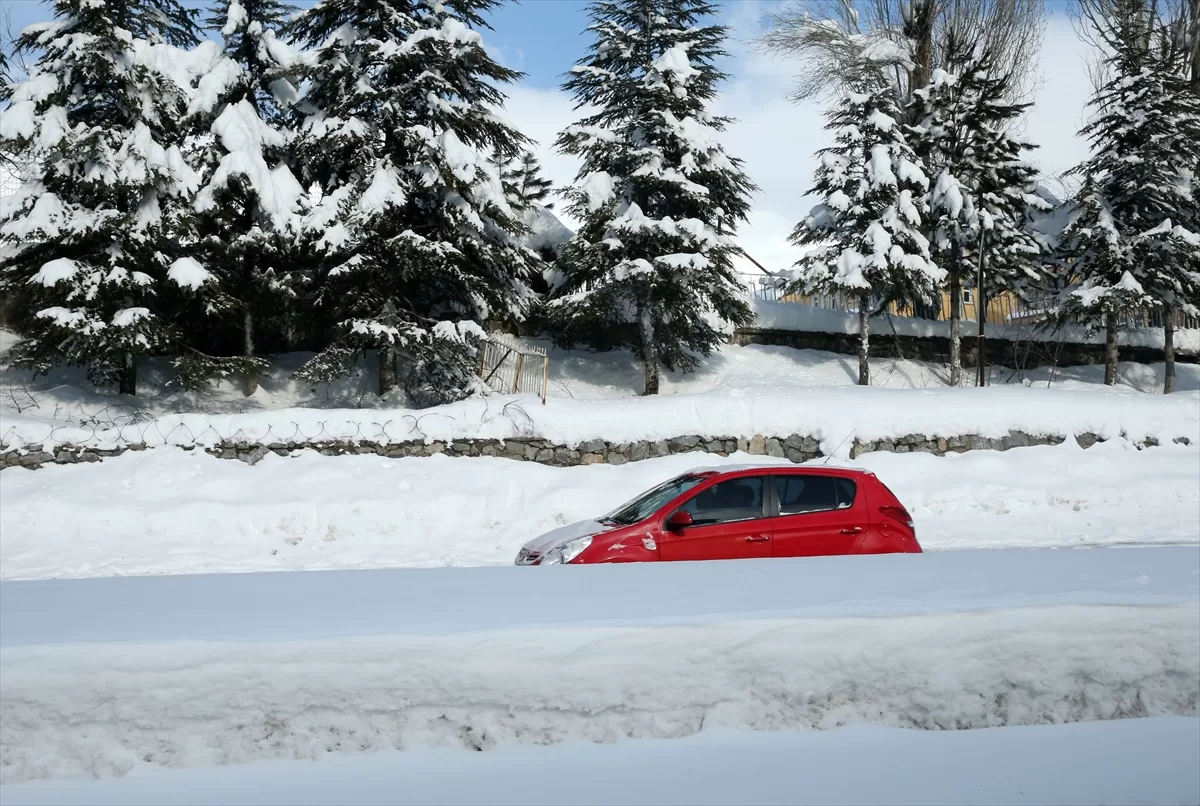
904, 39
1168, 29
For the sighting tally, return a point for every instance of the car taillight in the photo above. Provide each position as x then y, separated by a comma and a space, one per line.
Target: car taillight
899, 514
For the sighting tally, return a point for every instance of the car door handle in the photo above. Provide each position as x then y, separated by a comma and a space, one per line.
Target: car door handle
758, 539
853, 530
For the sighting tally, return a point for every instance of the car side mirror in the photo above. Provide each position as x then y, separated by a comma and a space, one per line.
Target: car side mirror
679, 521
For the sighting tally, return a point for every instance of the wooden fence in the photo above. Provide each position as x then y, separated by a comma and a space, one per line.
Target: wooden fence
511, 368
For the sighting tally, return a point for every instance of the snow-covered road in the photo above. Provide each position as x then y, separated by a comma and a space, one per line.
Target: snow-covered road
1142, 761
214, 670
166, 511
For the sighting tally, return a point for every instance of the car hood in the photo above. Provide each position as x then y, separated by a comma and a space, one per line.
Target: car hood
556, 537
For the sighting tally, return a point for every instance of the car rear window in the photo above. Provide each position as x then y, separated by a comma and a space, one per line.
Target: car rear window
799, 494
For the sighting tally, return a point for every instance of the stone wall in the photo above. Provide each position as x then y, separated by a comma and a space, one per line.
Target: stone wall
1026, 354
796, 447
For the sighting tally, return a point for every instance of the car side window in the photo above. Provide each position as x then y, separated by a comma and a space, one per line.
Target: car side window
733, 500
847, 490
800, 494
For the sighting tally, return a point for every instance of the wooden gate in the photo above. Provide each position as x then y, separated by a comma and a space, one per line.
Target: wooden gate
511, 369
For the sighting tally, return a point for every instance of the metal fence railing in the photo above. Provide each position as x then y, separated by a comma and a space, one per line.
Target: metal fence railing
511, 368
1001, 309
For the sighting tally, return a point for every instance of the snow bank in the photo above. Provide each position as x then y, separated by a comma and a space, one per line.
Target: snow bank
1149, 761
327, 605
835, 416
171, 512
232, 669
773, 315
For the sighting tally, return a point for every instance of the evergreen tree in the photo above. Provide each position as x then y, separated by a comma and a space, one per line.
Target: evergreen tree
419, 243
528, 193
524, 184
1008, 205
1131, 234
864, 238
103, 126
248, 211
658, 196
982, 185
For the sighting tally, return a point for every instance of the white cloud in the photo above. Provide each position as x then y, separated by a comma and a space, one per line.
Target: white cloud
776, 138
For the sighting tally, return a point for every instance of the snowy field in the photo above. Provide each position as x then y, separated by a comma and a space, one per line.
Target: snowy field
737, 392
1132, 761
231, 669
172, 512
580, 374
750, 681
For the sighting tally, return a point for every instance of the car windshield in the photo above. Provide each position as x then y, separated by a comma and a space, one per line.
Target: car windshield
648, 503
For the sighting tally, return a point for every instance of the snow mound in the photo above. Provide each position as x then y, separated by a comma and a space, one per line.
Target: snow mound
1148, 761
171, 512
835, 416
228, 670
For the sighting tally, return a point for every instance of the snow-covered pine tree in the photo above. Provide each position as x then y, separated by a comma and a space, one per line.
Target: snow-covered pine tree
528, 193
419, 243
980, 182
1008, 204
102, 124
864, 239
247, 213
524, 184
1130, 234
1107, 288
658, 196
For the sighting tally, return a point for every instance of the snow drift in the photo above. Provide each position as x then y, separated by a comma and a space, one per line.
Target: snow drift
172, 512
1146, 761
231, 669
833, 415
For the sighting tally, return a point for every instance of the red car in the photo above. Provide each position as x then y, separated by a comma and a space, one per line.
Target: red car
738, 512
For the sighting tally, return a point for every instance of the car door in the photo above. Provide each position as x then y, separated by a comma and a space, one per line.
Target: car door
728, 523
817, 515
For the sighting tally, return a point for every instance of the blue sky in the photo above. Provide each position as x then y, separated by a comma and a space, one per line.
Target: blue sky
775, 137
542, 38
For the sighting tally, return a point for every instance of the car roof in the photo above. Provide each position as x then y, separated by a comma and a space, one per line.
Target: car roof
747, 469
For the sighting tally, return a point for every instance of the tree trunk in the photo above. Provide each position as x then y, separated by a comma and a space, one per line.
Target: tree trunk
921, 32
1169, 351
128, 382
981, 311
1194, 22
981, 342
864, 340
955, 328
387, 369
248, 350
1110, 349
649, 353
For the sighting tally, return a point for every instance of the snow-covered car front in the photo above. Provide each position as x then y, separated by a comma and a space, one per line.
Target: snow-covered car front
561, 545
